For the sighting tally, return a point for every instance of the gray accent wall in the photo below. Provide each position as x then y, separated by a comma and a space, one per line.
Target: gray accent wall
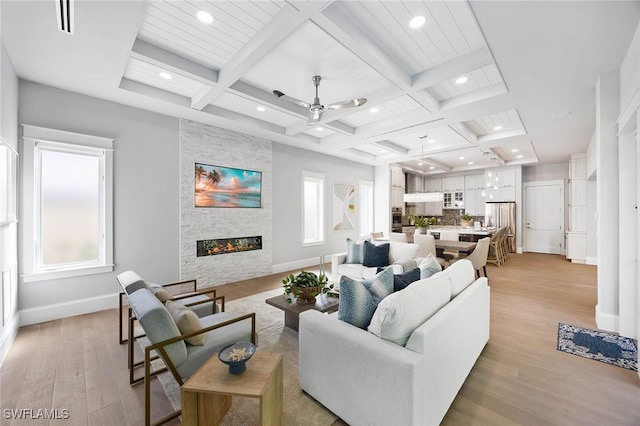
288, 165
146, 188
206, 144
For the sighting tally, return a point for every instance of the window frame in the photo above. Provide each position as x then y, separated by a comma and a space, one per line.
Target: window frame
35, 140
320, 179
365, 184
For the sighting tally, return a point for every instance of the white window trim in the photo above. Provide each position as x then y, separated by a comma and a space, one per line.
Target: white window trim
368, 184
33, 135
318, 176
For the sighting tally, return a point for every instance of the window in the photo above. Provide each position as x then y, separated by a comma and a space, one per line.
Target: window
313, 208
68, 204
366, 208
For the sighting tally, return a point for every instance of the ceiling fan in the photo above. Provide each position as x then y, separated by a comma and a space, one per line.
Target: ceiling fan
316, 108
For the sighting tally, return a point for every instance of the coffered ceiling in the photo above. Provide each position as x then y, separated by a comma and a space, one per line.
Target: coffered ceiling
480, 83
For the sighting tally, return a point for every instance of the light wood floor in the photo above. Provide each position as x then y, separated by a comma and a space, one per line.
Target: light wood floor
520, 379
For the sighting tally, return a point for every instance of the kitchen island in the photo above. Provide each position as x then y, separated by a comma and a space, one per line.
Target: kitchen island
464, 234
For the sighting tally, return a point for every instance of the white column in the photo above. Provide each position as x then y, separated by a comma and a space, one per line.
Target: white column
627, 231
382, 199
607, 110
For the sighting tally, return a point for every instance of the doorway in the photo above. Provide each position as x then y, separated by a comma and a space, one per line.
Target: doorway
544, 217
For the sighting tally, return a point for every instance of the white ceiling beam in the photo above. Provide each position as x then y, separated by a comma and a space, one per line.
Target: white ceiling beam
360, 153
281, 26
346, 32
505, 141
454, 68
475, 96
501, 135
500, 159
390, 146
268, 99
241, 119
437, 164
153, 92
464, 132
157, 56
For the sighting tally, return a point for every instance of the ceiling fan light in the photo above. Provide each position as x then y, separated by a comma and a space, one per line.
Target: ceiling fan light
417, 21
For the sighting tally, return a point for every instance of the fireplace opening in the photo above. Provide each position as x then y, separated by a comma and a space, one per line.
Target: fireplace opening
228, 245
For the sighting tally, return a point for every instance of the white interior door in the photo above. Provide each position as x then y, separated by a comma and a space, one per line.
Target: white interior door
544, 217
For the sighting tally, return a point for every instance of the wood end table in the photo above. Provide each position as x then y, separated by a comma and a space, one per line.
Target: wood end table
323, 303
206, 395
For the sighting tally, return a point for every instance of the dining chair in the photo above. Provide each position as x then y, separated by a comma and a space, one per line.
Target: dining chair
478, 256
446, 235
427, 244
399, 237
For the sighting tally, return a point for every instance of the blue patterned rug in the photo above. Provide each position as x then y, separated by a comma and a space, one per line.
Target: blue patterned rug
599, 345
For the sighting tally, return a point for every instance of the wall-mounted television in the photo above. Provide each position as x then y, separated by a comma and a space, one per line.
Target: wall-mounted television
217, 186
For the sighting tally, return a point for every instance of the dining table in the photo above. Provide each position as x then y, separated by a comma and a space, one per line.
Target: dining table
463, 247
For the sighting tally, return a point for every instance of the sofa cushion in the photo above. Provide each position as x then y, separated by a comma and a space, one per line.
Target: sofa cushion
187, 321
376, 254
401, 281
461, 274
399, 314
401, 252
355, 251
429, 266
359, 298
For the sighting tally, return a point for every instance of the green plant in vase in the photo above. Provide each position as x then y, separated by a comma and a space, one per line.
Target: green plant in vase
466, 218
305, 286
424, 222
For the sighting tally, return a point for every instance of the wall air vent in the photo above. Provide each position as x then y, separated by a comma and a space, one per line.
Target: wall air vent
64, 12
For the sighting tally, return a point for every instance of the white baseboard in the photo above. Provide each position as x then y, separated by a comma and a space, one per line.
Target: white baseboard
519, 250
605, 321
591, 260
9, 333
298, 264
68, 309
581, 261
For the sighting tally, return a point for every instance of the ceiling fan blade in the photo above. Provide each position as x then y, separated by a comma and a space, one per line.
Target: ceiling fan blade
314, 118
284, 97
348, 104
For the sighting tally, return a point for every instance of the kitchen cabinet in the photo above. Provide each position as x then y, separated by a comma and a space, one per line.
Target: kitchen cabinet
397, 177
507, 178
433, 185
481, 199
470, 202
474, 182
577, 233
577, 247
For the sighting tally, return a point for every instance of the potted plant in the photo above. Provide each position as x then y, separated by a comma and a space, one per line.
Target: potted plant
305, 287
424, 222
466, 220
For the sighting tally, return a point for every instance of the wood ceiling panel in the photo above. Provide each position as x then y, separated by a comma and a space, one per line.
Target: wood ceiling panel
477, 79
508, 120
149, 74
249, 107
516, 152
467, 24
385, 110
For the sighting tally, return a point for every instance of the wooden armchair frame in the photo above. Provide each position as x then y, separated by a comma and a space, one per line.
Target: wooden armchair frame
132, 319
160, 347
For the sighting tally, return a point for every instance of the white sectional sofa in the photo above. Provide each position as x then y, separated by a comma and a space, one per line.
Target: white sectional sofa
398, 253
367, 380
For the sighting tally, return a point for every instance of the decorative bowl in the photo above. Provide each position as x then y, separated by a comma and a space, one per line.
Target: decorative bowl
236, 356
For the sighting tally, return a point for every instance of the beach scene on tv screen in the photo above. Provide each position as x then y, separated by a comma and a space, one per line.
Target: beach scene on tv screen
217, 186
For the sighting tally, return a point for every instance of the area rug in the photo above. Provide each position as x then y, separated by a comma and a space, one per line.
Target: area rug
598, 345
298, 407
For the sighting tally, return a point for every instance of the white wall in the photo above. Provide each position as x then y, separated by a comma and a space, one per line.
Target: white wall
542, 172
288, 164
607, 109
629, 75
202, 143
8, 232
146, 197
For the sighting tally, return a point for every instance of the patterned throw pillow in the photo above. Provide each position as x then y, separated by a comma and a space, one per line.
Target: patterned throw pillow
401, 281
359, 299
429, 266
375, 255
355, 251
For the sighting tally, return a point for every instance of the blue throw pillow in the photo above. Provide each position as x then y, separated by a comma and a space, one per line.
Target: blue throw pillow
403, 280
375, 255
359, 299
355, 251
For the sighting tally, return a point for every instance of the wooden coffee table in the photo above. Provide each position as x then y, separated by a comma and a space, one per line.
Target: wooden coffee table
293, 310
206, 396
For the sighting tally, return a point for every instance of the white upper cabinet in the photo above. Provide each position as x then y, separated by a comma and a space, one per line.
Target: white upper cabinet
447, 184
507, 178
433, 185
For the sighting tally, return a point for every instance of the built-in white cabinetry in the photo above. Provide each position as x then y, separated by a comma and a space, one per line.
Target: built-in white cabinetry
500, 184
577, 233
453, 183
433, 208
397, 187
474, 195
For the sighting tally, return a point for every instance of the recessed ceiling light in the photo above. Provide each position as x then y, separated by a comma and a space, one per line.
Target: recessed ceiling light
431, 140
205, 17
515, 150
374, 110
420, 163
431, 168
166, 75
261, 109
497, 128
461, 158
519, 156
470, 163
417, 21
319, 128
462, 80
382, 151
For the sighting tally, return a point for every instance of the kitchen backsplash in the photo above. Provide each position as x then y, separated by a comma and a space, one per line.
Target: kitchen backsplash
451, 217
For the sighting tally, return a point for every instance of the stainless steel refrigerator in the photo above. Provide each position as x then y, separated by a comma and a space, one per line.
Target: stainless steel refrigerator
499, 214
